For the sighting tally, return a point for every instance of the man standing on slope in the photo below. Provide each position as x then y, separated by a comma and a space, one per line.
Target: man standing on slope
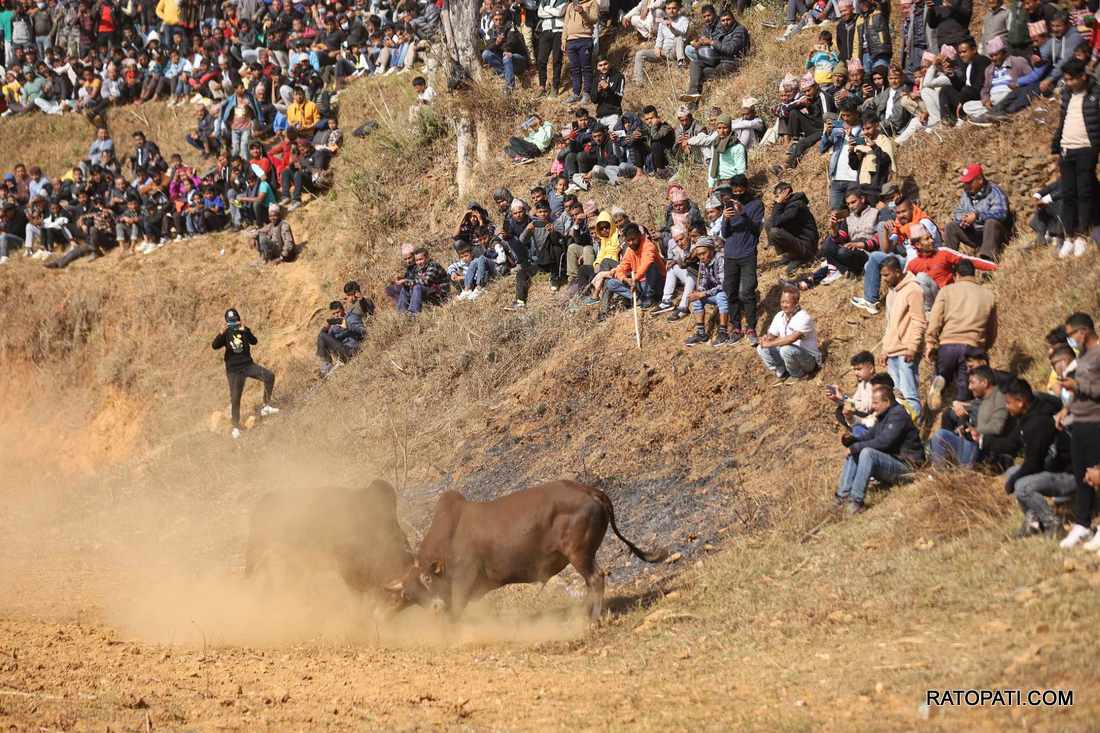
238, 340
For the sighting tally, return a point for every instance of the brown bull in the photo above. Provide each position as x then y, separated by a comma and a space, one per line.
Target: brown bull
353, 531
525, 537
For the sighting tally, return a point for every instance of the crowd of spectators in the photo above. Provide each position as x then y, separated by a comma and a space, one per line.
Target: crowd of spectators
872, 83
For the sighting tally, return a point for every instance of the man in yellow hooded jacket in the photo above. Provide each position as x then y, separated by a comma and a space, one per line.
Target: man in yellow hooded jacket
608, 247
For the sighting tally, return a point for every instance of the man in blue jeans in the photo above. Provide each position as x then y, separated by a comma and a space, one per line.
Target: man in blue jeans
905, 327
505, 51
640, 273
887, 453
987, 419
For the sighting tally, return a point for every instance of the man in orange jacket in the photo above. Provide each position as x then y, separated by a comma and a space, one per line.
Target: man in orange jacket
641, 269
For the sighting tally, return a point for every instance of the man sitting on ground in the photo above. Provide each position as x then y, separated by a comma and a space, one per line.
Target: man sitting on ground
709, 292
983, 220
964, 445
854, 411
275, 241
792, 230
888, 453
1046, 471
789, 348
641, 270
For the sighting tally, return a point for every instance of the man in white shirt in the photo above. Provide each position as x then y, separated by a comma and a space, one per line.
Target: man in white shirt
789, 348
669, 44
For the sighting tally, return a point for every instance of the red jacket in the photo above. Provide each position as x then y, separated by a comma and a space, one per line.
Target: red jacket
940, 265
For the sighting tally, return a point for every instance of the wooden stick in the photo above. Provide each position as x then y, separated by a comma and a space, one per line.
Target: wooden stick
637, 318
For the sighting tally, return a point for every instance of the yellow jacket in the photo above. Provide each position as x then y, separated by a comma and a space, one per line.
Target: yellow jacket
302, 116
609, 245
169, 12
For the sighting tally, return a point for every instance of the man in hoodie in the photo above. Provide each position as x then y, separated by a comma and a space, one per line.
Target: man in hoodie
982, 218
237, 339
905, 327
742, 222
791, 228
1045, 471
887, 453
640, 274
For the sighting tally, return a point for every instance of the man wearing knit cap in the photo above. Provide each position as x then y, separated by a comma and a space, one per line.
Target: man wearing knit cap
728, 157
709, 291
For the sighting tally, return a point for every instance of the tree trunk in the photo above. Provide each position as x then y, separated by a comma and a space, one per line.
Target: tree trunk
482, 142
463, 142
460, 21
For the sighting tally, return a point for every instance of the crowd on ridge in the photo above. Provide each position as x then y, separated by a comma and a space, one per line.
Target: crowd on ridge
855, 99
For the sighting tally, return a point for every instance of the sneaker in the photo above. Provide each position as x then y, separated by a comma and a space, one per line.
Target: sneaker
518, 305
463, 295
853, 508
1080, 246
475, 293
3, 260
1076, 536
699, 337
721, 338
236, 433
736, 335
677, 315
573, 99
554, 287
935, 393
663, 307
268, 410
864, 304
1066, 249
832, 277
750, 336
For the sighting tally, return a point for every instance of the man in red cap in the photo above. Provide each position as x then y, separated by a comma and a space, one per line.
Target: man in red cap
982, 218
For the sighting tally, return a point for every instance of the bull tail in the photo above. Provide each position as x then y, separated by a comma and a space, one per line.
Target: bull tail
654, 557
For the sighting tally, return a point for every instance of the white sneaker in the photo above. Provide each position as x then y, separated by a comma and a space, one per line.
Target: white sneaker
464, 295
236, 433
1054, 242
1080, 246
3, 260
832, 277
268, 410
476, 293
1066, 249
1076, 536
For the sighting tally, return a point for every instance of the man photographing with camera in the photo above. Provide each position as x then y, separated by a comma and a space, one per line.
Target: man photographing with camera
237, 340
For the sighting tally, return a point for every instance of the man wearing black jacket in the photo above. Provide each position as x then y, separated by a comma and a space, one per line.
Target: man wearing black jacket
608, 96
1045, 471
887, 453
791, 227
950, 21
972, 67
237, 340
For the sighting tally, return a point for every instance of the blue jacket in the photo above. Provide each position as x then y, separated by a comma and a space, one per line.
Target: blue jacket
894, 434
989, 203
835, 140
1057, 51
741, 233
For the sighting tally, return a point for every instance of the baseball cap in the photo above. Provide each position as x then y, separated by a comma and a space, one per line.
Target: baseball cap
971, 172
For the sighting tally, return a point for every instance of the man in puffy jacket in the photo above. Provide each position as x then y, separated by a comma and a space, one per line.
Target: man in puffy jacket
1077, 143
791, 228
717, 54
888, 452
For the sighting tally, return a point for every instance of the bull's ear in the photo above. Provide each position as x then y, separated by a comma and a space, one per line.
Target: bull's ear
395, 586
437, 567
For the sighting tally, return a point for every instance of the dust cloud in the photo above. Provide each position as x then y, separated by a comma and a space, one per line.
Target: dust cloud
158, 554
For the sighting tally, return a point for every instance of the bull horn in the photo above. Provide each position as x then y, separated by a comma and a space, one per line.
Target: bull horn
395, 586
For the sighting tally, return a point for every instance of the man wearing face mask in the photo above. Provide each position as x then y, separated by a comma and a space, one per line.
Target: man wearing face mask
1083, 423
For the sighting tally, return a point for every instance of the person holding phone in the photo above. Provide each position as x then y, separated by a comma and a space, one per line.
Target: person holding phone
1083, 423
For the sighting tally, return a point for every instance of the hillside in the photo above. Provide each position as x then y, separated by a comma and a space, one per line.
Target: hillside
128, 514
